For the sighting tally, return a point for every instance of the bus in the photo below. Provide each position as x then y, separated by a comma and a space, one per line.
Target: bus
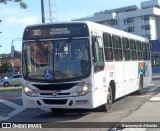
116, 63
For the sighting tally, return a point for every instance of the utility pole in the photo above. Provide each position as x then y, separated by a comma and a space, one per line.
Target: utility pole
50, 10
49, 7
42, 11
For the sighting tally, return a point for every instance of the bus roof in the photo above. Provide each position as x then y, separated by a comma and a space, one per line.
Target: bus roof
98, 27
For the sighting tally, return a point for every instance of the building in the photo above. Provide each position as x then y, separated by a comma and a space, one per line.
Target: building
14, 58
143, 20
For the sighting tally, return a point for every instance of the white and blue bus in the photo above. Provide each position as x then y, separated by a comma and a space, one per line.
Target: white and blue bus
114, 63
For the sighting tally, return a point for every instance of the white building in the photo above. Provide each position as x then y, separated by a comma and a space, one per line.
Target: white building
143, 20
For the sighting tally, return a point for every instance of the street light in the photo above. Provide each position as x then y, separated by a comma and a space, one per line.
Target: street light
12, 46
12, 51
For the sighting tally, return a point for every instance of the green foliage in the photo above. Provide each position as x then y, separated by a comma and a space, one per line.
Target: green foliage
3, 55
5, 67
21, 3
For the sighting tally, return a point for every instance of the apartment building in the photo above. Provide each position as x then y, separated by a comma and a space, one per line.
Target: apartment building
142, 20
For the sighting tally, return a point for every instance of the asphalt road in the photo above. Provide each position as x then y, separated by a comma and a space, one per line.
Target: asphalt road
12, 110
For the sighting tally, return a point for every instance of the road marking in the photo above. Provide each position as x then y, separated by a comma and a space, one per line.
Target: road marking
154, 99
17, 110
13, 113
11, 104
46, 109
18, 98
154, 88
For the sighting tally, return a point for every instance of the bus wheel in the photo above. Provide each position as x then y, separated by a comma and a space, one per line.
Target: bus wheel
108, 105
140, 90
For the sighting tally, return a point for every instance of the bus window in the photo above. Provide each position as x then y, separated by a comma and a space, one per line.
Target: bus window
139, 50
107, 47
97, 51
144, 50
126, 49
133, 50
148, 51
117, 48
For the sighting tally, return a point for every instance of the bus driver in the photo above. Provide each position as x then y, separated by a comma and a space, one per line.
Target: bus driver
82, 53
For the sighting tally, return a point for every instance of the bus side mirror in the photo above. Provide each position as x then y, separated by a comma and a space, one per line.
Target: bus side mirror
99, 42
94, 52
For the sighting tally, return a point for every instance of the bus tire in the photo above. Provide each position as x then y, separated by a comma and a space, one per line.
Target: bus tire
113, 86
140, 90
107, 106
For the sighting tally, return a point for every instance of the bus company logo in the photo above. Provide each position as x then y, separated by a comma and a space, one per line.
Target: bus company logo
141, 68
54, 93
109, 67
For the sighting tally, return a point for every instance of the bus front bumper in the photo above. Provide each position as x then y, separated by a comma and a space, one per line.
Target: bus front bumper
82, 102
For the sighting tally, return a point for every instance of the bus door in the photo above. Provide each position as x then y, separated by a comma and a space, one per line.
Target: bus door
99, 64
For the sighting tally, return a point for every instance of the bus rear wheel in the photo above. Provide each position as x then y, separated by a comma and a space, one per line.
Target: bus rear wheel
107, 106
140, 90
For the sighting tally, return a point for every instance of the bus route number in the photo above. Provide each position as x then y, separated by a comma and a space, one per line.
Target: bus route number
37, 32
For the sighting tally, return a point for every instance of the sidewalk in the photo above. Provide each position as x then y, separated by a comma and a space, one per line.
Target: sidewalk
149, 112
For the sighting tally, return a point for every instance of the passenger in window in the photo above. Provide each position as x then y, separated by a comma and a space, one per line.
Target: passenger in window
82, 53
110, 55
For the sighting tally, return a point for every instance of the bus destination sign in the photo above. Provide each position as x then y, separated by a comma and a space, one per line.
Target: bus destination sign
59, 31
56, 31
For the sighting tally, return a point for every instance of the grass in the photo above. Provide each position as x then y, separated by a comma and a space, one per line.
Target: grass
11, 89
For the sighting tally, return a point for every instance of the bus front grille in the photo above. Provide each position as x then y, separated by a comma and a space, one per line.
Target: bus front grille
65, 86
56, 102
58, 94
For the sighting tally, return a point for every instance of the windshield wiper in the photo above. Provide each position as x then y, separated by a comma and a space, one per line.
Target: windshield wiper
61, 49
67, 42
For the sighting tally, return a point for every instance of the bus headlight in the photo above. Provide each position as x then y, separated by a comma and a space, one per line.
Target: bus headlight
29, 92
82, 90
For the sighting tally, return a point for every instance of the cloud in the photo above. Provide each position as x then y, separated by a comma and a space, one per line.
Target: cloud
14, 21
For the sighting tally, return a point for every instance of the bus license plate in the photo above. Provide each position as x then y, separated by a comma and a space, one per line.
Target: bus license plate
81, 102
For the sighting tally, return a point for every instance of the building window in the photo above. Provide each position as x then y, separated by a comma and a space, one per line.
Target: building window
147, 27
146, 18
130, 29
112, 22
148, 36
130, 20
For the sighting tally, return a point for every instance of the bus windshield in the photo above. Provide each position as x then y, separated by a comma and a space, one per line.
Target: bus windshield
56, 59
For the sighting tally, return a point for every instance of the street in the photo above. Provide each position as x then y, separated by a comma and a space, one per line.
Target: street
12, 109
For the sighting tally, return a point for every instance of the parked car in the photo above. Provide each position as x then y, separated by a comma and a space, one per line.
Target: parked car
15, 80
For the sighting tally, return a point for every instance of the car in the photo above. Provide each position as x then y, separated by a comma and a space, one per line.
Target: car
15, 80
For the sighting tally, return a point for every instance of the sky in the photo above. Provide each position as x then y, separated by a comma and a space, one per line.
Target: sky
14, 19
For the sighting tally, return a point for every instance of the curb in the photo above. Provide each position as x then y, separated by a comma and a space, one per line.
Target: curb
10, 88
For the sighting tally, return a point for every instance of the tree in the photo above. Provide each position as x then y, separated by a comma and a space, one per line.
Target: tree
5, 67
3, 55
21, 3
